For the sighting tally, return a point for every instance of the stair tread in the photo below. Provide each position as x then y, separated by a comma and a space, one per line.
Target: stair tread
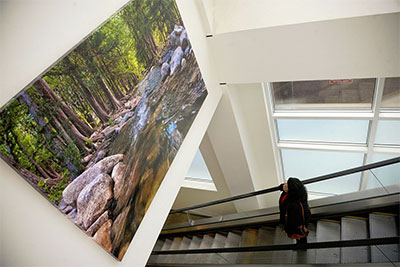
194, 244
249, 238
354, 228
281, 238
307, 256
328, 231
383, 225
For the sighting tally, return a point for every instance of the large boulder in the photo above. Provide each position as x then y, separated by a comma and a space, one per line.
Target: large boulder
167, 56
176, 59
96, 136
119, 226
119, 178
98, 223
70, 194
178, 29
127, 116
93, 200
173, 39
164, 71
109, 131
183, 63
183, 40
99, 156
102, 236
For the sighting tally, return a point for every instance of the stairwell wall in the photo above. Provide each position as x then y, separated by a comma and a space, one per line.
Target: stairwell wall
34, 34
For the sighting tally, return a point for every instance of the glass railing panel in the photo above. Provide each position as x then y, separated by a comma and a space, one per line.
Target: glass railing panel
306, 164
383, 176
375, 182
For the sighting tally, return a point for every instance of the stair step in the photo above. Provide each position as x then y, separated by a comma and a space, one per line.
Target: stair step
307, 256
383, 225
194, 244
328, 230
232, 240
219, 242
354, 228
249, 238
206, 242
157, 247
265, 237
281, 238
166, 246
183, 246
176, 242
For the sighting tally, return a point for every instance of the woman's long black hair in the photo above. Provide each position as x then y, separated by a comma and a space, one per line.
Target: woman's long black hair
296, 190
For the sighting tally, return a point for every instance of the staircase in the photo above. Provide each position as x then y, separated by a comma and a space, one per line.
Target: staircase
372, 225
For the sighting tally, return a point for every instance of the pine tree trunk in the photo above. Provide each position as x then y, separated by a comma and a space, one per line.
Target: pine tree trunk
114, 102
64, 134
73, 117
100, 113
48, 132
82, 107
118, 94
54, 100
80, 140
33, 108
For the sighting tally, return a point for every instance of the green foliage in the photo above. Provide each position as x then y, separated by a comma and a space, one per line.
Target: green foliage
54, 193
119, 53
89, 142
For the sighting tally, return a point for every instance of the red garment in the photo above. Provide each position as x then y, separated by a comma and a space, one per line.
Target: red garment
283, 198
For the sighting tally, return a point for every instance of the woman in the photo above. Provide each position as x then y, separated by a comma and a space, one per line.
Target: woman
292, 205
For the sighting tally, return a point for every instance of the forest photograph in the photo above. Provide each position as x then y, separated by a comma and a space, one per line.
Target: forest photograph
97, 132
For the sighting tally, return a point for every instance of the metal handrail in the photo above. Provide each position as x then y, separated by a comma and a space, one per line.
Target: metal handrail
315, 245
308, 181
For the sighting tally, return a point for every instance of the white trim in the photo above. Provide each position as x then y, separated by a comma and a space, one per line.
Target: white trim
320, 193
376, 105
389, 115
324, 115
386, 149
200, 184
323, 147
268, 101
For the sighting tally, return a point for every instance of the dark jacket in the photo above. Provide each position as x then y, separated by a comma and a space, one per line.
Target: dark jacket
294, 213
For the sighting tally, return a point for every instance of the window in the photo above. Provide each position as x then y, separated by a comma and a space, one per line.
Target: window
326, 126
391, 93
350, 131
388, 132
345, 93
198, 176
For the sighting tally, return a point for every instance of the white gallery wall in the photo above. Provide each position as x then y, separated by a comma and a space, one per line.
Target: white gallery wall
33, 35
361, 39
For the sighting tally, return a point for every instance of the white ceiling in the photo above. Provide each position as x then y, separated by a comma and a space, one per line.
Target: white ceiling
264, 41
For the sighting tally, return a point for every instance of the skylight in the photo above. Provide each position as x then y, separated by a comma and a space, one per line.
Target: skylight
198, 176
330, 125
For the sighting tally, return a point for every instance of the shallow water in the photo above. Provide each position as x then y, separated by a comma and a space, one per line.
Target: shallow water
150, 141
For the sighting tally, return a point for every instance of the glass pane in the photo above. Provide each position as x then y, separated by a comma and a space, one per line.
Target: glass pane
388, 132
352, 131
391, 93
388, 175
346, 93
306, 164
198, 169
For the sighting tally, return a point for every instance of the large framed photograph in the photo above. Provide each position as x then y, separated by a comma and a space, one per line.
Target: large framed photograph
97, 132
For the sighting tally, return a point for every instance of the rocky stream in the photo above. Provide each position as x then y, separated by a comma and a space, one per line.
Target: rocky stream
110, 198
